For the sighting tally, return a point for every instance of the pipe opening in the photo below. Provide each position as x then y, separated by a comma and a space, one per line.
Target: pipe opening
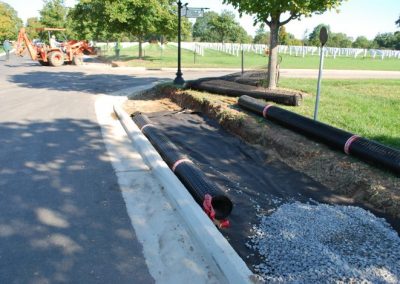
222, 206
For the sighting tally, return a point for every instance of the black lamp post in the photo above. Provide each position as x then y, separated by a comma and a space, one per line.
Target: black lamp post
179, 79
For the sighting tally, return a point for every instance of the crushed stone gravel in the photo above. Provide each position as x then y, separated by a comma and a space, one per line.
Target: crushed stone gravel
320, 243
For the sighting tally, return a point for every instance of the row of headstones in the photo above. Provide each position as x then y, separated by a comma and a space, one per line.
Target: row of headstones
236, 48
334, 51
196, 47
112, 45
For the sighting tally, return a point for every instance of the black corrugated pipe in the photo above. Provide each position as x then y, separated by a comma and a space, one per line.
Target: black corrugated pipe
355, 145
209, 197
233, 89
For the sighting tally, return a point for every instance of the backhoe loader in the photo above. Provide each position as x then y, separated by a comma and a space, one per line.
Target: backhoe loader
68, 52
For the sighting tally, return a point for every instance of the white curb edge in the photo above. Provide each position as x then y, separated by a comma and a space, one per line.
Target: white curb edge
200, 226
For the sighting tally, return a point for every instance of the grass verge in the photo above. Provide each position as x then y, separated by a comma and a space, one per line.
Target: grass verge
370, 108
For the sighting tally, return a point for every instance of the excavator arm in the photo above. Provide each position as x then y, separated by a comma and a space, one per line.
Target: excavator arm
24, 43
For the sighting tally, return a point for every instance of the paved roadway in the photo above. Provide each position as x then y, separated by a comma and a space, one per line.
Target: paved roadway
62, 216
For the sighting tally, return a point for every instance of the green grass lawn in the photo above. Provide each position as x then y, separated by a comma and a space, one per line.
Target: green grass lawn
157, 58
370, 108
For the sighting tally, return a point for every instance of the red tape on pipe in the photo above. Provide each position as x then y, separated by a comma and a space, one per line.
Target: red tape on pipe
144, 126
180, 161
207, 206
348, 143
265, 110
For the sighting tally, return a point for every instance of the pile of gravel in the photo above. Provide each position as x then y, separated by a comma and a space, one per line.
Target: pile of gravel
303, 243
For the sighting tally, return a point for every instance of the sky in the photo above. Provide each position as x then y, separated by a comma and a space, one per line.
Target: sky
356, 17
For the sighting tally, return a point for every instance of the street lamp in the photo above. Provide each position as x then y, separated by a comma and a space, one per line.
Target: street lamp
179, 79
323, 38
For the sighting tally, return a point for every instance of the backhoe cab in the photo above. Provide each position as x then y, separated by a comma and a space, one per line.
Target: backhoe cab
69, 52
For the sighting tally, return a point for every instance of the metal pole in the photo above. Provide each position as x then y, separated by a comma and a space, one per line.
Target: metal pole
179, 79
321, 63
242, 59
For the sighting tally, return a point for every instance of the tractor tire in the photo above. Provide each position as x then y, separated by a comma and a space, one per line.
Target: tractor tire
41, 62
77, 60
56, 58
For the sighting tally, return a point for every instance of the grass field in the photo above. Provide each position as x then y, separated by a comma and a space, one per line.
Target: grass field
156, 58
370, 108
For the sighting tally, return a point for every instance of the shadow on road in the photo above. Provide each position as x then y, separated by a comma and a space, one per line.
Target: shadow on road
62, 217
78, 81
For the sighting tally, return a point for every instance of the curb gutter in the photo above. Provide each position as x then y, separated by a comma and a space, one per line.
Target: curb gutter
200, 226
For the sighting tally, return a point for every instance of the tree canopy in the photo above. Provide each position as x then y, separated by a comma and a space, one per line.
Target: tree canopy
224, 26
219, 28
202, 29
133, 18
262, 36
388, 40
32, 24
9, 22
54, 14
270, 12
313, 37
286, 38
362, 42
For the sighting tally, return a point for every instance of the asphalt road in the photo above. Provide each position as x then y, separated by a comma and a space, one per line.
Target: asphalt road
62, 216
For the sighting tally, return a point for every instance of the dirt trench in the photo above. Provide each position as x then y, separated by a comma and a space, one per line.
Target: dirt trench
350, 181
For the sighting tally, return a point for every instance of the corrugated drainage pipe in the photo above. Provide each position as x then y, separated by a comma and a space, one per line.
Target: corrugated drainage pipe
216, 205
355, 145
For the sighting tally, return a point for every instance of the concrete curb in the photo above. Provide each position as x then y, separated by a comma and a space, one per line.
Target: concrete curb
200, 226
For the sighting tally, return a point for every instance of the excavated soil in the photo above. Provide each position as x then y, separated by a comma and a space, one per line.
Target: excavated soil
350, 180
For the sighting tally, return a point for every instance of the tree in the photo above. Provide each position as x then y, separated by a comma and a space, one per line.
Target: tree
270, 12
87, 21
9, 22
32, 24
202, 30
388, 40
362, 42
286, 38
167, 25
224, 25
219, 28
262, 36
54, 14
313, 37
240, 35
339, 40
398, 22
135, 18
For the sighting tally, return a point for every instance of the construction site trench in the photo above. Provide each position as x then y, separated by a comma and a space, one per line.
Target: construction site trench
263, 167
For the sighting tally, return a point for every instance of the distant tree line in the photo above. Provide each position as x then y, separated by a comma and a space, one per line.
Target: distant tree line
381, 41
155, 20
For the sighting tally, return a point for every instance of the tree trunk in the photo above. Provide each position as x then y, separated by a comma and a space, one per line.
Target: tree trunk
273, 54
140, 47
